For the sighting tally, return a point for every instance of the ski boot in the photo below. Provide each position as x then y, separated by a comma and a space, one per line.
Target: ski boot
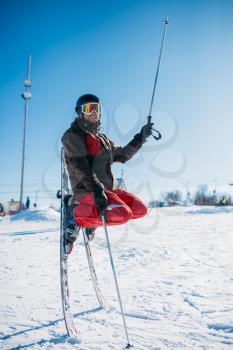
72, 230
71, 234
90, 233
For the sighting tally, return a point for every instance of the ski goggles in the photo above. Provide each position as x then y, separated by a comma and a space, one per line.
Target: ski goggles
88, 108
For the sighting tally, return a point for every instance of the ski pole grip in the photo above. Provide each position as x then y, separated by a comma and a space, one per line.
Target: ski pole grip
149, 119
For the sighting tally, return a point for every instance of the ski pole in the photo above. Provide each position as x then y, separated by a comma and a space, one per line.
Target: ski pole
115, 279
156, 79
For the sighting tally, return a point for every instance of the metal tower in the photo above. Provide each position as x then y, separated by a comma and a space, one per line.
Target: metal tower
121, 182
26, 96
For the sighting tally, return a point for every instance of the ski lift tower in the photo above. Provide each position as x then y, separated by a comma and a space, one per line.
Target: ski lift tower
121, 182
215, 191
188, 199
26, 96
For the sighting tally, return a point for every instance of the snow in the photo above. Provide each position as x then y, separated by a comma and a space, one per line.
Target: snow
174, 268
210, 210
45, 214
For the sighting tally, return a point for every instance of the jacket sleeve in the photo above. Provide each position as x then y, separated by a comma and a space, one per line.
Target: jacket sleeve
123, 154
76, 156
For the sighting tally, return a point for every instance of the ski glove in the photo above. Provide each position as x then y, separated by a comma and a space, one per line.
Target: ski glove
100, 197
146, 131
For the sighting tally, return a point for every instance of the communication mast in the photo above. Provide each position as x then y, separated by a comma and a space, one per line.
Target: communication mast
26, 96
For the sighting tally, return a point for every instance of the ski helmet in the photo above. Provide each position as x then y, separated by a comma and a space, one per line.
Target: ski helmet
85, 99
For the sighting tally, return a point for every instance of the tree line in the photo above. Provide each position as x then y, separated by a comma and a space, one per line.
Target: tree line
201, 197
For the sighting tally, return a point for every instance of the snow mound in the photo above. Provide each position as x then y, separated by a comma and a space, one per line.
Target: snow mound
209, 210
45, 214
4, 218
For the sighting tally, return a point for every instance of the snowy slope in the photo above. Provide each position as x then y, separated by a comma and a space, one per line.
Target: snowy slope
45, 214
175, 270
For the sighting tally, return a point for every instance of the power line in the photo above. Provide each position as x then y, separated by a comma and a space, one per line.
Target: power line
27, 191
29, 185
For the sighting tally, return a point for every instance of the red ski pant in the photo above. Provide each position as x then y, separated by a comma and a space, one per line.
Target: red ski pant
122, 206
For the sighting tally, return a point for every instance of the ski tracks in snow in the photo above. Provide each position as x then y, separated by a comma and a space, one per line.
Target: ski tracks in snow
174, 271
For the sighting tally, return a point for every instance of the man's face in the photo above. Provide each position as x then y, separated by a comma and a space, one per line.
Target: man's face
93, 117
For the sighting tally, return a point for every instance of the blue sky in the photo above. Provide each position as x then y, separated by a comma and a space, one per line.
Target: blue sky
110, 48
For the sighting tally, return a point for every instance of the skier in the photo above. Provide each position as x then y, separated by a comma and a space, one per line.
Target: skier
27, 205
89, 155
1, 209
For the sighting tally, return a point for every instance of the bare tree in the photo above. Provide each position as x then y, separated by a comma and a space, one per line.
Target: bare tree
173, 198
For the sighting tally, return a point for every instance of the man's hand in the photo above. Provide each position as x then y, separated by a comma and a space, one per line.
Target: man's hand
146, 131
100, 197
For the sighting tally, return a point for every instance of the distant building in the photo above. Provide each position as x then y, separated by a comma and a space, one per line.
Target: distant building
13, 206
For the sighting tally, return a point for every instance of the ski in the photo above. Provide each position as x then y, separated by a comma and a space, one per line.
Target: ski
92, 270
64, 276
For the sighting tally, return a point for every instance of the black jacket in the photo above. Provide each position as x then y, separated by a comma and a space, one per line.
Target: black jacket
90, 154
